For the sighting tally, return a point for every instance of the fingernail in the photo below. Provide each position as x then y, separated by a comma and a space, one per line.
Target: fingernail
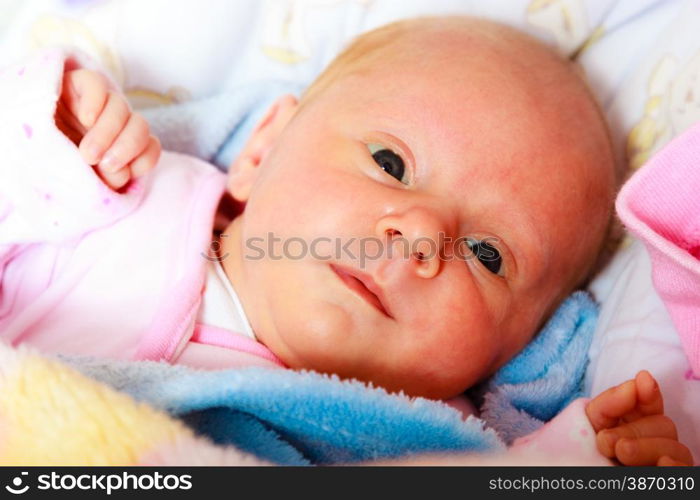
92, 153
110, 162
628, 446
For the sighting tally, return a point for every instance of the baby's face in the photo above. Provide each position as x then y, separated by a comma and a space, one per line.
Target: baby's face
409, 156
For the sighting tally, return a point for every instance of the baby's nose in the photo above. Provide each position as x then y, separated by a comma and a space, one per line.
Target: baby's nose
417, 236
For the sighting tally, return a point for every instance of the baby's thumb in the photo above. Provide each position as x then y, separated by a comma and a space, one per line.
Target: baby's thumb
651, 401
84, 93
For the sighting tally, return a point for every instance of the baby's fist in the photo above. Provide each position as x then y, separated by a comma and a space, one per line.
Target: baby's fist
109, 136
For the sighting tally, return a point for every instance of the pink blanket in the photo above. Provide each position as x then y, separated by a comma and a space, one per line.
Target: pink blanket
660, 205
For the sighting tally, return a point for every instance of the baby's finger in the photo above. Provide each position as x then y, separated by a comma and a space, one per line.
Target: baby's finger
651, 401
604, 411
649, 426
116, 180
131, 142
668, 461
84, 93
146, 160
649, 450
101, 136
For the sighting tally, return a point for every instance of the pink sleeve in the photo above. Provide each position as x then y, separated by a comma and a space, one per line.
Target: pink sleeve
214, 348
660, 204
49, 197
569, 436
47, 192
567, 439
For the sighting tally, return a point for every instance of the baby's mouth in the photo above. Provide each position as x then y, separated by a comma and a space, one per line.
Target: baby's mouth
363, 285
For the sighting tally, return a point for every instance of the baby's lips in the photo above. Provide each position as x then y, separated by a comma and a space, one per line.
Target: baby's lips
365, 285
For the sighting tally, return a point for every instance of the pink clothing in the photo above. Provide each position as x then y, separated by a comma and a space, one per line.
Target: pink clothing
660, 204
213, 348
85, 270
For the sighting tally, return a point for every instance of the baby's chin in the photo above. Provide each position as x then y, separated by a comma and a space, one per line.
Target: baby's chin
408, 383
440, 392
412, 386
400, 383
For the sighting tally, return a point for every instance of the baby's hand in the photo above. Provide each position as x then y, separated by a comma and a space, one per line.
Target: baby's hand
109, 136
631, 426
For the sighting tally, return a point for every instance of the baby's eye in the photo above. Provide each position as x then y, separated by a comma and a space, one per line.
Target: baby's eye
389, 161
487, 254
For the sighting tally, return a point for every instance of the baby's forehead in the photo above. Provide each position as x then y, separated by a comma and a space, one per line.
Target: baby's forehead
452, 43
432, 61
438, 46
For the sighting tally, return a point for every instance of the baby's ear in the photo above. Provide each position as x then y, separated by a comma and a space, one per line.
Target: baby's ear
244, 170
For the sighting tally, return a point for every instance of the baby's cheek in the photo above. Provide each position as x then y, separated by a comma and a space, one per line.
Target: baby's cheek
476, 343
312, 334
460, 307
463, 353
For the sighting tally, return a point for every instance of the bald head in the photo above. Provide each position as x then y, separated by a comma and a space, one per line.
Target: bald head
435, 41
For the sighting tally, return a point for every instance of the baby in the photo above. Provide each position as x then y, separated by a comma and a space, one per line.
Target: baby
474, 161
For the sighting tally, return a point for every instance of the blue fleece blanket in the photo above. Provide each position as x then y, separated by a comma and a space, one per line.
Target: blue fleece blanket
303, 418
